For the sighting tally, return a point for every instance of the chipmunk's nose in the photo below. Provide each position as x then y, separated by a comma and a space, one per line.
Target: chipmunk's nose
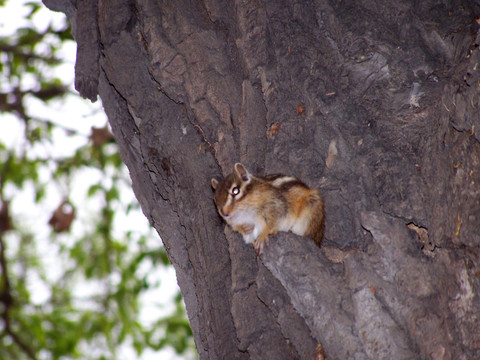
224, 213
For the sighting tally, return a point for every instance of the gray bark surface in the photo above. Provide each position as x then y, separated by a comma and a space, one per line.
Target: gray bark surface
376, 103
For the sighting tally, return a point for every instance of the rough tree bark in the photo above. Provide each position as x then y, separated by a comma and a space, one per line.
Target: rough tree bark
374, 102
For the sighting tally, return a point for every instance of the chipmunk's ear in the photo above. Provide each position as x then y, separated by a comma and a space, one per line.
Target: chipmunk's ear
214, 183
241, 172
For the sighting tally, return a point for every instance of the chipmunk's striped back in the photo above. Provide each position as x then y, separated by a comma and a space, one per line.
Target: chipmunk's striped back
306, 209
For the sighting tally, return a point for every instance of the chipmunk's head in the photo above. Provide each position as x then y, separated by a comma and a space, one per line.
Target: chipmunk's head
231, 190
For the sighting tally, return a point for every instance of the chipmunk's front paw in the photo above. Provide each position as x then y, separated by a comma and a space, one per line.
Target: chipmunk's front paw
258, 245
246, 229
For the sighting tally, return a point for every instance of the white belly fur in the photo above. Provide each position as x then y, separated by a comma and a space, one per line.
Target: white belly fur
247, 218
297, 226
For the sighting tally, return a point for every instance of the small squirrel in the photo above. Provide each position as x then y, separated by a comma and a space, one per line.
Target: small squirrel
260, 206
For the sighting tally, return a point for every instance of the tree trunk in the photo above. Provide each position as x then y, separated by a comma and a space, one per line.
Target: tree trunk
374, 102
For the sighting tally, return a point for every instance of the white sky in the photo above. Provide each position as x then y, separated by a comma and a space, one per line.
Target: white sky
80, 115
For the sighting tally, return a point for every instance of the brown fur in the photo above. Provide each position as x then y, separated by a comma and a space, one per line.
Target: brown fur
307, 202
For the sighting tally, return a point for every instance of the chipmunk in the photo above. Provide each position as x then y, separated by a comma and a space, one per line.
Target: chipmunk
260, 206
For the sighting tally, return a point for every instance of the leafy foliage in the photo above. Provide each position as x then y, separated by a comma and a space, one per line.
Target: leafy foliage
73, 275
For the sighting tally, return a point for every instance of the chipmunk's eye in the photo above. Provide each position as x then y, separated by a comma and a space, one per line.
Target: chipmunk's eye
235, 191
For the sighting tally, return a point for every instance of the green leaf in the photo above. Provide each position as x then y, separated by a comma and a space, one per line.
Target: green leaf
92, 190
